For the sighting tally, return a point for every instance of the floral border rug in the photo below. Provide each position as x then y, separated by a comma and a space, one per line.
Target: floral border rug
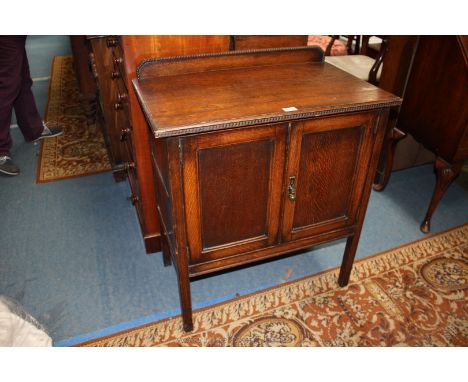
412, 295
81, 150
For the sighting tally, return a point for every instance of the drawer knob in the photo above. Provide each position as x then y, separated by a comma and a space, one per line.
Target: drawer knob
133, 198
112, 41
122, 96
292, 188
118, 60
92, 65
115, 74
129, 165
118, 106
124, 133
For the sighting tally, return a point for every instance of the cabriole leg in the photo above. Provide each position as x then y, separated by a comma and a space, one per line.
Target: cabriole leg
445, 175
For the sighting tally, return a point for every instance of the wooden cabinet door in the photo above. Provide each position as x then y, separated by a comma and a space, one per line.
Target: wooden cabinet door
232, 188
327, 166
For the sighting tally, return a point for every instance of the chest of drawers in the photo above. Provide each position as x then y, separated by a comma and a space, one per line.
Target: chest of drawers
110, 83
115, 60
256, 154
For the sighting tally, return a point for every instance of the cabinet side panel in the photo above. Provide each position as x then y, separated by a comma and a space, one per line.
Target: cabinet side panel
160, 162
234, 191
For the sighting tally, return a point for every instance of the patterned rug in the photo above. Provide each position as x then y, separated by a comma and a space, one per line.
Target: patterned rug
413, 295
81, 149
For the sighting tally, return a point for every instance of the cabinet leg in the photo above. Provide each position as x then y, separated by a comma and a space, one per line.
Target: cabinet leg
445, 175
165, 251
185, 298
384, 169
119, 175
348, 259
167, 259
152, 243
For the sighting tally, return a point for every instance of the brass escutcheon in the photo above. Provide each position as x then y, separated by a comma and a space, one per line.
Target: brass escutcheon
292, 188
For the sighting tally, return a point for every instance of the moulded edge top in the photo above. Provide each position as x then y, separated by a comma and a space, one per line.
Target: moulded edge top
159, 132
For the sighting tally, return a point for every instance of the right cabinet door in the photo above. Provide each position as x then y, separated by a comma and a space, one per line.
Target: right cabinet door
327, 167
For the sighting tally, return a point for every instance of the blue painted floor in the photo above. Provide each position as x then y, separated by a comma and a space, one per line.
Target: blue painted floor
71, 251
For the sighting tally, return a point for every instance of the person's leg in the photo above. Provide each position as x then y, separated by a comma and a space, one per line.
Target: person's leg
11, 61
15, 92
29, 119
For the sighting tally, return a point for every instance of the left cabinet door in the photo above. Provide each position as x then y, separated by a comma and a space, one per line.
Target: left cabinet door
232, 190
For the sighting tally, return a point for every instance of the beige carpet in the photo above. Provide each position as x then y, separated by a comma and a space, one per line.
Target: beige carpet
413, 295
81, 149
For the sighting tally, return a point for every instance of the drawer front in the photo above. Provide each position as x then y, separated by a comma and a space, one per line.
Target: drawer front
127, 140
232, 190
107, 96
325, 178
121, 107
134, 197
121, 102
124, 134
118, 62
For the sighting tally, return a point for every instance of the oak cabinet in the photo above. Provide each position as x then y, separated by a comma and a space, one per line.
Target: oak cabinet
254, 156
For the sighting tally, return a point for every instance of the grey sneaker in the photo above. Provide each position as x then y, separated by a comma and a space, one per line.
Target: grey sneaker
7, 166
50, 133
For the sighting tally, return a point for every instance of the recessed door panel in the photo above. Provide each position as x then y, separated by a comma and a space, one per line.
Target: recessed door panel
327, 170
324, 180
232, 184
